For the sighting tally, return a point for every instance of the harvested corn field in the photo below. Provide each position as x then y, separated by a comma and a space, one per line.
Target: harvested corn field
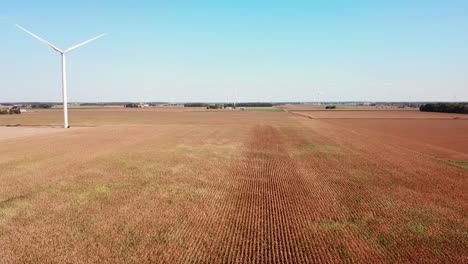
226, 187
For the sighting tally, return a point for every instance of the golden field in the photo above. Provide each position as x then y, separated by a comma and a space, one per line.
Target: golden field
162, 185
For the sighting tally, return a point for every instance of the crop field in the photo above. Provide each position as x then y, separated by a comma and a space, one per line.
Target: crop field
376, 114
304, 107
162, 186
436, 134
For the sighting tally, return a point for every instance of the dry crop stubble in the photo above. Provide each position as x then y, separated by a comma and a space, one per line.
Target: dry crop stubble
225, 187
442, 138
377, 114
377, 183
116, 196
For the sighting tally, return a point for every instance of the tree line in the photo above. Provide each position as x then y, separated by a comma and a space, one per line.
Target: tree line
255, 104
461, 108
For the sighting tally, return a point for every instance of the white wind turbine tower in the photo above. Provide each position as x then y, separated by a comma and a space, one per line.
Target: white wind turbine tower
64, 66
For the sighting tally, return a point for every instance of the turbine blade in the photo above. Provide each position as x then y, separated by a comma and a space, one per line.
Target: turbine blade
38, 38
83, 43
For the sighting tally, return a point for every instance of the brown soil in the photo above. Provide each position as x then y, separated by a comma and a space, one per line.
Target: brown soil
377, 114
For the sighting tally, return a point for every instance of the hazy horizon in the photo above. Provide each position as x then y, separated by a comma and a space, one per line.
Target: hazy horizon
225, 102
208, 51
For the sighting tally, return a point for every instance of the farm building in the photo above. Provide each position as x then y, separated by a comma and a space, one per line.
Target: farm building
133, 105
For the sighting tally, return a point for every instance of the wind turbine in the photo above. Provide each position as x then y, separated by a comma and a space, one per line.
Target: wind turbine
235, 98
319, 94
64, 66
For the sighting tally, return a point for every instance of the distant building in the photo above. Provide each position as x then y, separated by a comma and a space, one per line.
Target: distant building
139, 105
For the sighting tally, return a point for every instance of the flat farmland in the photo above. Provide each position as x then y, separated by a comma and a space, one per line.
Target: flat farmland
440, 135
376, 114
158, 186
442, 138
302, 107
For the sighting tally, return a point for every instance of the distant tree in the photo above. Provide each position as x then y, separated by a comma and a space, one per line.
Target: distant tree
41, 105
253, 104
214, 106
15, 110
195, 105
330, 107
461, 108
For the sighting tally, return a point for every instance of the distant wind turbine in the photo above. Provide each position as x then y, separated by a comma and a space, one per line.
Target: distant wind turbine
235, 98
319, 94
64, 66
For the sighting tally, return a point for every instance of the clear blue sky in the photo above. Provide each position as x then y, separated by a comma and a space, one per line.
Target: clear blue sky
266, 50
